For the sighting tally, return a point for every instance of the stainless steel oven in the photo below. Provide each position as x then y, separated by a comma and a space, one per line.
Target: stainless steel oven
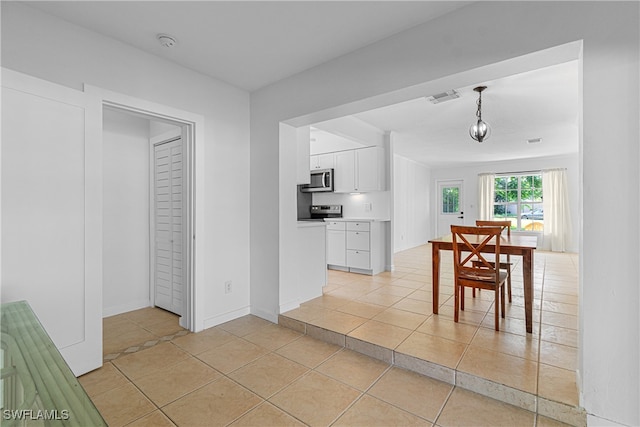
321, 180
321, 212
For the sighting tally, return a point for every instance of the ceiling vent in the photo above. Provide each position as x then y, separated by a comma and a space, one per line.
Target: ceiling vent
534, 140
444, 96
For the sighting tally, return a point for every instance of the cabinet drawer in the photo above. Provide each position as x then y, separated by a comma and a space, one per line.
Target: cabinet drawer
358, 259
358, 240
358, 226
336, 225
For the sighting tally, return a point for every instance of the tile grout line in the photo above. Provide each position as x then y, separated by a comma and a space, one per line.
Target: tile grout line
143, 346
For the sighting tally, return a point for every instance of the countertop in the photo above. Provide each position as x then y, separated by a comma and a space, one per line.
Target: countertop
302, 224
358, 219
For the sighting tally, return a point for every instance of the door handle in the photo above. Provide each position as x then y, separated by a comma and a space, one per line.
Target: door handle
461, 217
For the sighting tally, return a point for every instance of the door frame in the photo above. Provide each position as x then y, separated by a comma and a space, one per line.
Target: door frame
193, 133
439, 184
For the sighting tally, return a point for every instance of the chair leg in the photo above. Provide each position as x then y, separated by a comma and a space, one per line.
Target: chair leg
462, 298
456, 302
473, 292
509, 283
502, 301
496, 309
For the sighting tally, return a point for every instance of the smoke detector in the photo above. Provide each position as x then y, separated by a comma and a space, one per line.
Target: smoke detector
442, 97
167, 40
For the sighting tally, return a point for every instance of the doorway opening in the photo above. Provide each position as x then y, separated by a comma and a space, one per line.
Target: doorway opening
160, 124
147, 213
147, 220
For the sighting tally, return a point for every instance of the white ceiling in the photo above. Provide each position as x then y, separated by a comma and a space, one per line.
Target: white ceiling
253, 44
249, 44
538, 104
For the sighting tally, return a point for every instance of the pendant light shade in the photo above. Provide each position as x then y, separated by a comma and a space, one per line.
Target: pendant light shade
480, 130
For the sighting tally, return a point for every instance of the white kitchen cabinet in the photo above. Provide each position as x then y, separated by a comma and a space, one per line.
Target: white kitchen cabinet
370, 169
359, 170
358, 235
360, 260
322, 161
336, 243
356, 246
344, 173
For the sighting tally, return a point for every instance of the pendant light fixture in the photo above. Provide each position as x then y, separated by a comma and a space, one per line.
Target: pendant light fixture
480, 131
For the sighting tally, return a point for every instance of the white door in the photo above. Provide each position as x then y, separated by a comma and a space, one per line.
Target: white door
51, 192
450, 205
169, 274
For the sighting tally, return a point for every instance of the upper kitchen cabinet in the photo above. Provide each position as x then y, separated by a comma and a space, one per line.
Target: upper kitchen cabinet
361, 170
322, 161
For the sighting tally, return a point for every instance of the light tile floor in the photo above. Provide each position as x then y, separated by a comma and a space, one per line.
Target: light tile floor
390, 316
136, 330
250, 372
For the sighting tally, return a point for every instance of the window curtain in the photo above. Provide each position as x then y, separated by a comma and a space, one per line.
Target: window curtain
486, 195
557, 223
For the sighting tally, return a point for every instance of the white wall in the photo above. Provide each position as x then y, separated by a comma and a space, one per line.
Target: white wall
469, 175
353, 205
353, 129
411, 217
459, 49
288, 297
80, 56
125, 255
303, 263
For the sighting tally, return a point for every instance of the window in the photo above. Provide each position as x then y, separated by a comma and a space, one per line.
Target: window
518, 198
450, 200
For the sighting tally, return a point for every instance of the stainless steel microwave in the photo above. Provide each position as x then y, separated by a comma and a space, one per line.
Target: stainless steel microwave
321, 180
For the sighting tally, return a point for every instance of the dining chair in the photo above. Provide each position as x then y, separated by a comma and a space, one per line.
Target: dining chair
504, 265
475, 270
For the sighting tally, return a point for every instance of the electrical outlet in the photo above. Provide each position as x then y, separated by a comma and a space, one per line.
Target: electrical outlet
227, 287
367, 207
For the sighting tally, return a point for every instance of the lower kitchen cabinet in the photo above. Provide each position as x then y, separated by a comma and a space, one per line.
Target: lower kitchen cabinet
356, 246
359, 259
336, 243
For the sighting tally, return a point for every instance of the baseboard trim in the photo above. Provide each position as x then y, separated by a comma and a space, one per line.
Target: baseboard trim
124, 308
225, 317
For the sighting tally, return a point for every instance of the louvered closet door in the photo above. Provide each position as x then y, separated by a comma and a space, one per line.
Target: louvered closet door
168, 213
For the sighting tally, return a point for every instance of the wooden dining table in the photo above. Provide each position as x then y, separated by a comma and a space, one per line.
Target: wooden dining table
514, 245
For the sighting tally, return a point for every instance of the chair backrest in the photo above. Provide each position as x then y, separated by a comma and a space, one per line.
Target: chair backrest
506, 225
471, 241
